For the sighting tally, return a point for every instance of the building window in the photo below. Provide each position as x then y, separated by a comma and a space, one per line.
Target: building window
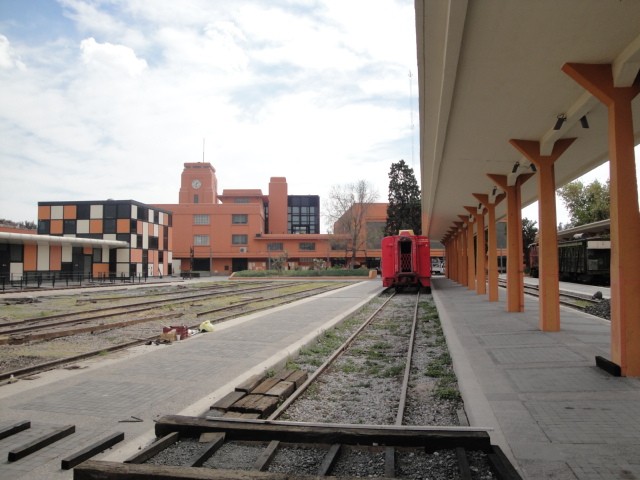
123, 210
16, 252
109, 225
196, 199
303, 214
239, 239
241, 200
201, 219
307, 246
83, 211
275, 246
375, 233
239, 218
109, 210
200, 240
69, 227
44, 227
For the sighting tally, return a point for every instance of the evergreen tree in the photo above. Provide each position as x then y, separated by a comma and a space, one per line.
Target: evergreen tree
405, 208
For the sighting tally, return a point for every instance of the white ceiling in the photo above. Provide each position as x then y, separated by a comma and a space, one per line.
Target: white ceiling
490, 71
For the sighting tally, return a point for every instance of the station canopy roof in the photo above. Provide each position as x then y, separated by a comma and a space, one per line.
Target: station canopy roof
490, 71
32, 239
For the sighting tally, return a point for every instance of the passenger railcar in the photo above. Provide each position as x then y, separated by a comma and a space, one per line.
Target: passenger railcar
582, 259
406, 261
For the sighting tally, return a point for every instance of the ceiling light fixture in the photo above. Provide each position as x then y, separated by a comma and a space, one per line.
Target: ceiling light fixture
560, 120
533, 167
584, 122
515, 168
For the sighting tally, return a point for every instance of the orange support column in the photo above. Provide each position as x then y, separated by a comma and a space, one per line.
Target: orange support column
471, 258
481, 274
625, 218
455, 257
462, 253
515, 272
492, 243
548, 238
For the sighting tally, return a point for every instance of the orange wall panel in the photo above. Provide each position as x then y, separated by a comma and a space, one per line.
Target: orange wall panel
136, 255
87, 250
30, 257
123, 225
100, 269
95, 226
56, 227
55, 258
44, 212
70, 212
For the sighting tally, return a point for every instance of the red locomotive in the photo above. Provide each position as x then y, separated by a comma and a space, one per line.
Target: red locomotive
406, 261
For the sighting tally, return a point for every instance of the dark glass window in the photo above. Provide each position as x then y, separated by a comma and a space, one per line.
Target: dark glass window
97, 255
123, 237
307, 246
196, 199
109, 225
239, 239
124, 210
69, 227
83, 211
303, 213
275, 246
109, 210
239, 218
44, 227
15, 252
143, 214
153, 243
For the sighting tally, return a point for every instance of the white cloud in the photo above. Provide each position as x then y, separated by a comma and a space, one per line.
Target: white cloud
8, 58
279, 88
108, 57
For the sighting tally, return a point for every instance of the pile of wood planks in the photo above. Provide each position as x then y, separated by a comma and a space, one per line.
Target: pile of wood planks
259, 396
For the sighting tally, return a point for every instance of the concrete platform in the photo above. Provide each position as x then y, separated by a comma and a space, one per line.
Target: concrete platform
147, 382
554, 413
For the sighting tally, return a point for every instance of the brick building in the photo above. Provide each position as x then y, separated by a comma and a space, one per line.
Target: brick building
245, 229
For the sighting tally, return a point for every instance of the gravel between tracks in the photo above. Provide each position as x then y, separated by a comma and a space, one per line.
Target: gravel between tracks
362, 387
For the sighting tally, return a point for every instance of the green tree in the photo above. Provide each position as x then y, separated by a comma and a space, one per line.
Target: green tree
529, 232
585, 203
405, 208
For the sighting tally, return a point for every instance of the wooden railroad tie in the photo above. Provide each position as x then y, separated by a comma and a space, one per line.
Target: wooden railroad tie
259, 396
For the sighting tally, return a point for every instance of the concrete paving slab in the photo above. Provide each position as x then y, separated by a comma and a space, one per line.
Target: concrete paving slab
554, 413
147, 382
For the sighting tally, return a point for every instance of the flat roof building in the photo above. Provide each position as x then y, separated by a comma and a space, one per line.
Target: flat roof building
245, 229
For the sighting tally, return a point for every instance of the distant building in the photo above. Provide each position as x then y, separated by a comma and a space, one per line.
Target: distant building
143, 234
244, 229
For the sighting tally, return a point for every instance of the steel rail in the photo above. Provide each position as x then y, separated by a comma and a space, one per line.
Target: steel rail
61, 361
407, 368
300, 390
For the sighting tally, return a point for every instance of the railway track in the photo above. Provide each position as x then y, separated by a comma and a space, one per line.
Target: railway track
568, 299
143, 328
245, 431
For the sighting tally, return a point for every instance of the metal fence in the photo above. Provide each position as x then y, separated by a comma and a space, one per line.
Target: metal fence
32, 280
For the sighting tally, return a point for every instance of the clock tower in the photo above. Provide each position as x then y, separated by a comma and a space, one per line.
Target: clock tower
198, 184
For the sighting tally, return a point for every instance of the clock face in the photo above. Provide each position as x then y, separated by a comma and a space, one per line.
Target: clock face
196, 183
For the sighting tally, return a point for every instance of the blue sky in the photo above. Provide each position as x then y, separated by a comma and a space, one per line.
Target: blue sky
108, 98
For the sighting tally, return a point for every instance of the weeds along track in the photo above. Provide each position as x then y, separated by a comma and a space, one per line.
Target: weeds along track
69, 327
380, 399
